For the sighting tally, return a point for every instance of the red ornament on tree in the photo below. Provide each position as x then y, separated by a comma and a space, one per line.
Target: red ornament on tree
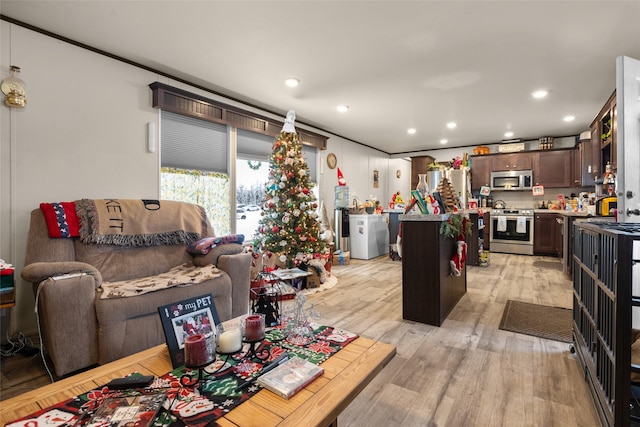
298, 229
275, 229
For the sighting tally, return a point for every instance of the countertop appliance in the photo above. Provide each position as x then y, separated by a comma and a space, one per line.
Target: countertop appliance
368, 236
511, 231
605, 205
512, 180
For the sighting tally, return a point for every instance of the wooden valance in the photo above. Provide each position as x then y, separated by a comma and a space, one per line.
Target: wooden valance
190, 104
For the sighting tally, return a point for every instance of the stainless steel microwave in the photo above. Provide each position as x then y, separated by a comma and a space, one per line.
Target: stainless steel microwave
512, 180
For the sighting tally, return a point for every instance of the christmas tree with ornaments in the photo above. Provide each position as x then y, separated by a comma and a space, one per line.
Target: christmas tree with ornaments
289, 226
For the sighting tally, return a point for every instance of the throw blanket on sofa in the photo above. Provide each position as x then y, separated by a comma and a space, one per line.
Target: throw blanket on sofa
181, 275
128, 222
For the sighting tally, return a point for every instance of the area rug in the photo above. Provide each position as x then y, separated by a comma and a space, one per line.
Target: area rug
331, 282
554, 323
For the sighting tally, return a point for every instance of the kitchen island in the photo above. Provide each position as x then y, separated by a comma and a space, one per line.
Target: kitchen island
429, 290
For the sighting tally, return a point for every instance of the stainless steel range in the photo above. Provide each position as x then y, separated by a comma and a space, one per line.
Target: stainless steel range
512, 231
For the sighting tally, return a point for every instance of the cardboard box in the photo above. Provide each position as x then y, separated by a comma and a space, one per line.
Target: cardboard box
313, 280
341, 258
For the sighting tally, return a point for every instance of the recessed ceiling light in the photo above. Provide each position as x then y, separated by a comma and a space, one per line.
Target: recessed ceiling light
411, 131
292, 82
569, 118
451, 125
540, 93
342, 108
508, 134
443, 141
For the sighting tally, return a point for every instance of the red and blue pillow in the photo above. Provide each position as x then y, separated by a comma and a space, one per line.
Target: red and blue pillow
61, 218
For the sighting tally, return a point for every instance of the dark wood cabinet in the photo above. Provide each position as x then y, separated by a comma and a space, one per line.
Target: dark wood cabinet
429, 291
576, 168
419, 164
552, 168
596, 154
480, 171
609, 127
511, 161
583, 165
604, 137
473, 243
487, 231
547, 234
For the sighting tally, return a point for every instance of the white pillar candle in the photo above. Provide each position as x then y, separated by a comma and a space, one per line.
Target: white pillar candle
230, 341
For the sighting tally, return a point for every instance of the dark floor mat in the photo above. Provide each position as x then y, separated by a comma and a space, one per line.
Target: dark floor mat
554, 323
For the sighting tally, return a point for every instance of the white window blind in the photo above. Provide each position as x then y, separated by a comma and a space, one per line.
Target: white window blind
254, 146
190, 143
310, 155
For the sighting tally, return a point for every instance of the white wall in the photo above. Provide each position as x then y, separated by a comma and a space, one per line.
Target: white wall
83, 135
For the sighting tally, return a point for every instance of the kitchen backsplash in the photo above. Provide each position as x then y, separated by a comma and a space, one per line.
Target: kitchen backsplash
524, 199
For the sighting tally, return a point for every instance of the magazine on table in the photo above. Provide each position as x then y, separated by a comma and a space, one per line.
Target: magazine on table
128, 410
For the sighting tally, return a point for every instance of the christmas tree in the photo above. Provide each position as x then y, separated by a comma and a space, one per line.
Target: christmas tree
289, 225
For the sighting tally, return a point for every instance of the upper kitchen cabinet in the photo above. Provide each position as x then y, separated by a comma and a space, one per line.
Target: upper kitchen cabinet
605, 131
552, 168
480, 171
596, 153
583, 163
512, 161
419, 164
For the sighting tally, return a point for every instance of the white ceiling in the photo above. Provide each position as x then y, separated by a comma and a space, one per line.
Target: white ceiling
396, 64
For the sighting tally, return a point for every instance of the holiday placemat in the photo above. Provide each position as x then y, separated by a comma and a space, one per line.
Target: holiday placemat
205, 401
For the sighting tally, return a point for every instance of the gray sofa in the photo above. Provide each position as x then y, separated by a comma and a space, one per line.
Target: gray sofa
80, 329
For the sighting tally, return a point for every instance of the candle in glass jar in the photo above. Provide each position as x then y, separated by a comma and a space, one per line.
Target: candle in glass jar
254, 327
195, 350
230, 341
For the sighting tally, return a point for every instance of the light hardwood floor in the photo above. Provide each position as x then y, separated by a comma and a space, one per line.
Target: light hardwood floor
466, 372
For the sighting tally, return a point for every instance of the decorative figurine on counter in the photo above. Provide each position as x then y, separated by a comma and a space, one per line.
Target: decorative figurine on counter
609, 181
341, 180
458, 259
397, 200
457, 162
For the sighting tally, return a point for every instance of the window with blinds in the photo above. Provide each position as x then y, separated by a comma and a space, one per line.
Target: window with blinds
194, 155
189, 143
256, 146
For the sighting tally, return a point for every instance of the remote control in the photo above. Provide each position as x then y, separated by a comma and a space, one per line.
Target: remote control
130, 382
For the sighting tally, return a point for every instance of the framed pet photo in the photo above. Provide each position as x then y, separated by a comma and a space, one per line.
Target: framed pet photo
180, 319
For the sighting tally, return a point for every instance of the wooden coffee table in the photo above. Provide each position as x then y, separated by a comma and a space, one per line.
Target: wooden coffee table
345, 375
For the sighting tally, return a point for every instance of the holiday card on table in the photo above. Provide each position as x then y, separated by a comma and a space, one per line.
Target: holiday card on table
184, 318
290, 377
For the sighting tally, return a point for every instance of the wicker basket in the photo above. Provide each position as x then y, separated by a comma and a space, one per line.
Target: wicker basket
357, 209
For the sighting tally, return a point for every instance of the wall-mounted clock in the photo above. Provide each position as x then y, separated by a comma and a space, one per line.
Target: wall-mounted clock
332, 161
